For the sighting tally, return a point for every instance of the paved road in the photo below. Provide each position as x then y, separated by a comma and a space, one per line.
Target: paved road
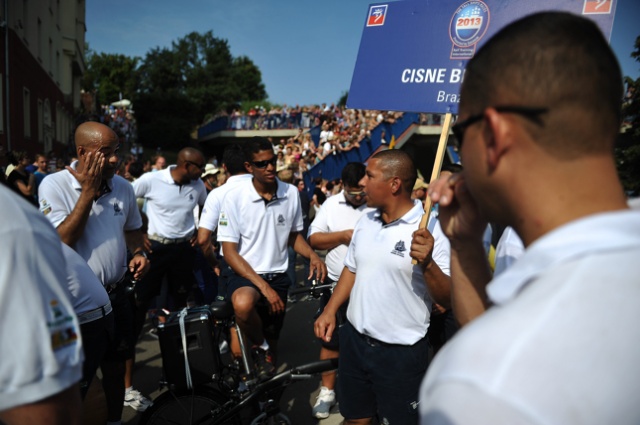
298, 345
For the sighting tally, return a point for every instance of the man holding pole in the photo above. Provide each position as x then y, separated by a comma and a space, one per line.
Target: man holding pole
383, 345
538, 155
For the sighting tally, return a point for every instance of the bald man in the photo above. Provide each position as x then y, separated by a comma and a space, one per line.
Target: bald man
383, 345
171, 196
95, 213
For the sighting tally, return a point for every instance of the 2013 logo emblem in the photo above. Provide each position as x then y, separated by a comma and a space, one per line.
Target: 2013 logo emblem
469, 23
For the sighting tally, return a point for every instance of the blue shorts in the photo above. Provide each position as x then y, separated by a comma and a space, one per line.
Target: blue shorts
380, 378
271, 323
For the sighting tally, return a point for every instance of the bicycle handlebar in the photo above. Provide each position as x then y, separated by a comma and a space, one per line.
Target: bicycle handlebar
306, 289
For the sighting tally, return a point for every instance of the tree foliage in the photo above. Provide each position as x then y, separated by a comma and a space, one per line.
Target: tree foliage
179, 86
628, 149
110, 75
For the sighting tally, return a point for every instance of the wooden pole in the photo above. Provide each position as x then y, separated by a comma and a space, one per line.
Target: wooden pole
437, 166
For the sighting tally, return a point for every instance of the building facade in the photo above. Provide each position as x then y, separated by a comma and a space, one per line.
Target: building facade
42, 45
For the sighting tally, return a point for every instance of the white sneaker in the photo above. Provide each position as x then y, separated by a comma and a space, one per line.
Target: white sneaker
326, 399
134, 399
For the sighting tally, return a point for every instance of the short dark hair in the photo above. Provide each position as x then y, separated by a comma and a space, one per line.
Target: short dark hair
352, 173
558, 61
233, 158
255, 145
398, 163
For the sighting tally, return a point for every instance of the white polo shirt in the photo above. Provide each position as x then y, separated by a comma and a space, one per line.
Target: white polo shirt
389, 300
560, 345
40, 347
508, 250
261, 230
213, 204
87, 292
170, 205
336, 215
102, 243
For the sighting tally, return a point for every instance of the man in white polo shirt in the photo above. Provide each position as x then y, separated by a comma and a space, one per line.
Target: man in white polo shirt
384, 351
233, 164
537, 141
95, 213
40, 349
171, 195
331, 230
257, 223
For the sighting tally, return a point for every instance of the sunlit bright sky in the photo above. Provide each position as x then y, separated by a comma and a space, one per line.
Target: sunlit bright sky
306, 50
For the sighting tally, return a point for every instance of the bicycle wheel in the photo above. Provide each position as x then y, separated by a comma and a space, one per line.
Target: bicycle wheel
185, 409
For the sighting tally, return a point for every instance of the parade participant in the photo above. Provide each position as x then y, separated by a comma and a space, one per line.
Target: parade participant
171, 196
39, 345
233, 164
384, 351
537, 139
95, 213
331, 230
257, 223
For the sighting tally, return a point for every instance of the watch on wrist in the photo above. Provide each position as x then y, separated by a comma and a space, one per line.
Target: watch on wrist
141, 252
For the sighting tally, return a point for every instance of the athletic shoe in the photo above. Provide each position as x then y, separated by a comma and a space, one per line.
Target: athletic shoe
134, 399
326, 399
263, 360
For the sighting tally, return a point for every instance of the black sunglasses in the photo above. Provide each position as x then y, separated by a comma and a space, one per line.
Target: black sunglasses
201, 167
532, 114
263, 164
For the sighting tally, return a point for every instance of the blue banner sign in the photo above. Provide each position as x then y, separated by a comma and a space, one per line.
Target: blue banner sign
413, 53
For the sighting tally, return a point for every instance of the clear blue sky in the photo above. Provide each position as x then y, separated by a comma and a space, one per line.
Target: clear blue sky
306, 50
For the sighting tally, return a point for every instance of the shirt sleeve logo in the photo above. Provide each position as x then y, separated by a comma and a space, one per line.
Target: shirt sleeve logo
223, 220
45, 207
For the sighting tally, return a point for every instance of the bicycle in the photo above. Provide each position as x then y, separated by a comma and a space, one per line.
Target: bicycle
209, 386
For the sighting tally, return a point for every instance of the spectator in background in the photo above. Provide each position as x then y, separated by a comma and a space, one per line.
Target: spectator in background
41, 171
23, 183
159, 163
210, 177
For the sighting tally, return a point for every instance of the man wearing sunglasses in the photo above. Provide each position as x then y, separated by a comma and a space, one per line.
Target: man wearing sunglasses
171, 195
331, 230
539, 116
258, 220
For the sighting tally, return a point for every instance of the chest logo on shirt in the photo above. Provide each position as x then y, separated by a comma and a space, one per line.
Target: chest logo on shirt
191, 197
281, 220
399, 248
117, 210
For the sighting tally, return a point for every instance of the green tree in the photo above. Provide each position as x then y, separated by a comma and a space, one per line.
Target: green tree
195, 78
342, 102
109, 75
628, 147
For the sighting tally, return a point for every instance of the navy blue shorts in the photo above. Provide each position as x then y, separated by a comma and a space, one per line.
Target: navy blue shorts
271, 323
380, 378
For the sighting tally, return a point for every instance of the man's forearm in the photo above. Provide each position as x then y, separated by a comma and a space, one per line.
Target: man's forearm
204, 241
438, 284
470, 274
328, 240
134, 240
72, 228
300, 245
